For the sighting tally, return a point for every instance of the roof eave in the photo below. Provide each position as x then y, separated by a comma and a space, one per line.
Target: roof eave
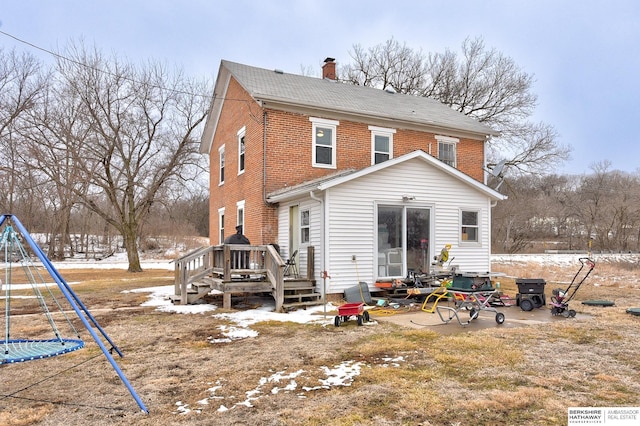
290, 195
336, 112
220, 90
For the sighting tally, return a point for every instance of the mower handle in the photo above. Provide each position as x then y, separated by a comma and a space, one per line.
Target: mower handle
590, 262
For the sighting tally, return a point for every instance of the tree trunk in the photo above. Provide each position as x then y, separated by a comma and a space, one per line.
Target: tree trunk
131, 245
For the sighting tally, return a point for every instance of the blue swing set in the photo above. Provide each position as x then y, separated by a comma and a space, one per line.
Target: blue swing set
15, 350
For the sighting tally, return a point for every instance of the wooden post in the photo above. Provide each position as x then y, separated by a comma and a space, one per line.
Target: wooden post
184, 300
227, 263
311, 261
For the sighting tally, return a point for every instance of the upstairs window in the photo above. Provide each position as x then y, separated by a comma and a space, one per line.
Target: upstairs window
221, 154
381, 144
324, 142
241, 136
447, 149
469, 231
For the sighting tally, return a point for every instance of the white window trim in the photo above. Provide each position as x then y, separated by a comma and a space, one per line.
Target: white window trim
242, 134
333, 125
240, 207
221, 225
479, 217
381, 131
452, 141
222, 164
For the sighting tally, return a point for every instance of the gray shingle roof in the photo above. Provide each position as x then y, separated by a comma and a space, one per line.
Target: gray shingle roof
276, 86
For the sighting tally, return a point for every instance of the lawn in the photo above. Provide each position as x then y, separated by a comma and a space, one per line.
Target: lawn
312, 373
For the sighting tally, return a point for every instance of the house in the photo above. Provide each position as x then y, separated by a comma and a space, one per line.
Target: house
376, 182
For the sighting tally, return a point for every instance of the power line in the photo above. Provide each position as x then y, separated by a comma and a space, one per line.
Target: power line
64, 58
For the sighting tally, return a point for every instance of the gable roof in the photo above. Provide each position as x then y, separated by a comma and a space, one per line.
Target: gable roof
280, 90
327, 182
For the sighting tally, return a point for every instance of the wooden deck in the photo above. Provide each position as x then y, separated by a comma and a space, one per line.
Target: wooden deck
235, 269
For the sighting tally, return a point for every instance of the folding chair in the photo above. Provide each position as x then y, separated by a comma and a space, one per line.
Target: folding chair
291, 268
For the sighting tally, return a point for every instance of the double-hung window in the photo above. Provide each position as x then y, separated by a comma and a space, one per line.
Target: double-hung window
324, 142
221, 155
221, 225
240, 213
381, 144
469, 220
447, 149
241, 136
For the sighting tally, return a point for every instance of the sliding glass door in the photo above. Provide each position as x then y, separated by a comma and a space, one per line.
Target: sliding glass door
403, 240
417, 239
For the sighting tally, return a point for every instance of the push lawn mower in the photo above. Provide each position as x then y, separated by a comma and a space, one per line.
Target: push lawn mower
560, 299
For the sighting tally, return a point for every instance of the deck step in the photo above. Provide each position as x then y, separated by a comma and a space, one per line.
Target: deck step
306, 298
307, 294
299, 290
301, 298
298, 284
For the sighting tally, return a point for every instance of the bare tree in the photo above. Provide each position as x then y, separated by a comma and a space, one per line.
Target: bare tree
128, 133
483, 84
387, 65
514, 220
626, 210
22, 84
609, 204
56, 130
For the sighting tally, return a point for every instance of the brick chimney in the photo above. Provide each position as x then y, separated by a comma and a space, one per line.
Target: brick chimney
329, 69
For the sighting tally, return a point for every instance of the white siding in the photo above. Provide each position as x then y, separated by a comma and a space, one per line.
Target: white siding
315, 233
351, 213
283, 229
350, 229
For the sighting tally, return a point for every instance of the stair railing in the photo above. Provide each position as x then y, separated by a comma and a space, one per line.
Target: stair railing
228, 261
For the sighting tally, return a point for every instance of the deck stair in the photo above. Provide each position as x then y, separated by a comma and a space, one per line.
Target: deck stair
300, 292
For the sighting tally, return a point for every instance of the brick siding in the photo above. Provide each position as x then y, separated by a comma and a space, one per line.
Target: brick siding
289, 159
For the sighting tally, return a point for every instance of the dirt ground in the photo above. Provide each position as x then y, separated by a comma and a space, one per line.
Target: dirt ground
413, 370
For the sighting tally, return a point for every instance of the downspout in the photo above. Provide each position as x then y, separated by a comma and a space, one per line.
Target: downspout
324, 273
264, 157
484, 159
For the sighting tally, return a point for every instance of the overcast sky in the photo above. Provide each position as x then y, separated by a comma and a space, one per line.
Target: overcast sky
584, 54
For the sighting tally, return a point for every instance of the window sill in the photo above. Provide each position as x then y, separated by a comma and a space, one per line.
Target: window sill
324, 166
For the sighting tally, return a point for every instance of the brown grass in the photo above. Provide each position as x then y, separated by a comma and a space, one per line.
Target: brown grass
500, 375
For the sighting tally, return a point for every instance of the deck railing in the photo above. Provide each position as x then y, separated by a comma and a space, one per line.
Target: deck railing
190, 268
231, 262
